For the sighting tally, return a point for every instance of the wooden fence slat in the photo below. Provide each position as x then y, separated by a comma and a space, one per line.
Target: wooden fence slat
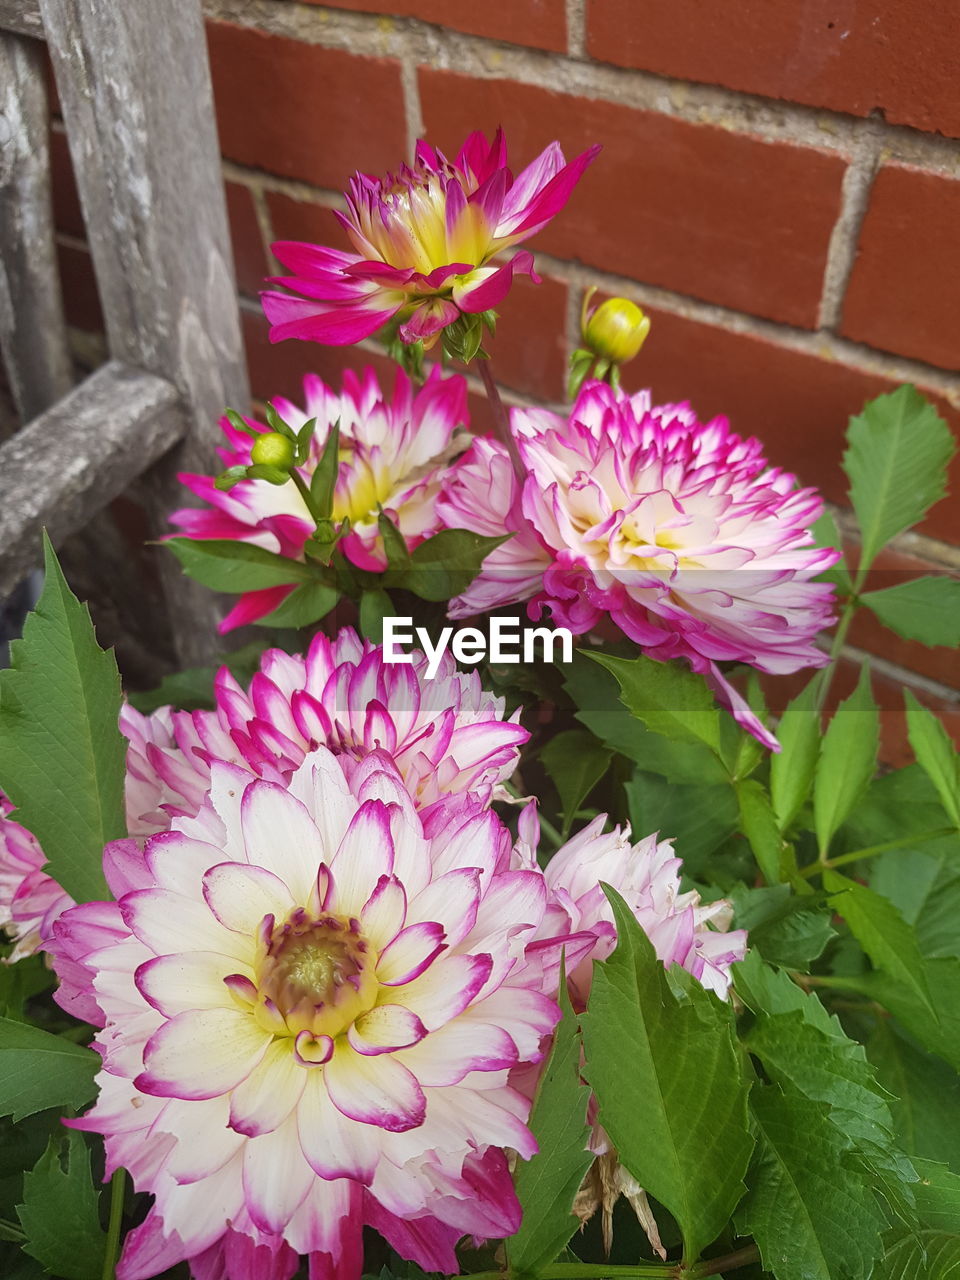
135, 92
106, 431
33, 336
22, 16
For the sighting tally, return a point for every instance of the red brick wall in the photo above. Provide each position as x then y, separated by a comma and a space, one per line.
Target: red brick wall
779, 187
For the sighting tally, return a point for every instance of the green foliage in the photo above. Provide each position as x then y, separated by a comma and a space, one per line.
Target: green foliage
847, 761
758, 822
925, 1105
925, 609
192, 689
699, 819
39, 1070
811, 1207
375, 605
898, 451
785, 928
792, 768
576, 763
547, 1184
224, 564
677, 1114
935, 754
668, 697
59, 1212
305, 605
61, 753
443, 566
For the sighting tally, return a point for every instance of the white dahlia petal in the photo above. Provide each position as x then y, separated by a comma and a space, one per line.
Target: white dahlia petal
201, 1054
374, 1090
191, 980
240, 895
264, 1100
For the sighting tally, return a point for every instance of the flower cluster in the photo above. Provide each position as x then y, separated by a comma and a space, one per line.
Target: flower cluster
424, 239
392, 452
676, 530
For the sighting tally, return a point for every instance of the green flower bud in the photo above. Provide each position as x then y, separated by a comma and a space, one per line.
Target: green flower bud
616, 330
271, 449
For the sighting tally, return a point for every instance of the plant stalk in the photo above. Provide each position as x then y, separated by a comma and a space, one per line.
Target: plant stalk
501, 421
304, 491
730, 1262
902, 842
118, 1185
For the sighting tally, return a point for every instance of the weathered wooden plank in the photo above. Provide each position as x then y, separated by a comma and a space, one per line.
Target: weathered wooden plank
33, 336
78, 456
138, 108
22, 16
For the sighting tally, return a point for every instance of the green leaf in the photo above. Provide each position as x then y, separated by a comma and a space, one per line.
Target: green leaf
596, 693
547, 1184
810, 1208
935, 754
792, 768
897, 456
39, 1070
668, 698
847, 761
443, 566
62, 757
374, 607
925, 609
938, 1196
224, 564
395, 544
575, 762
926, 892
882, 931
926, 1094
938, 1029
677, 1114
304, 605
926, 1255
59, 1211
759, 824
192, 690
699, 819
786, 928
323, 483
826, 534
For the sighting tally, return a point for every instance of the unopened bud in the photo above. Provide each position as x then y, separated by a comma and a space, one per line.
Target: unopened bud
616, 330
272, 450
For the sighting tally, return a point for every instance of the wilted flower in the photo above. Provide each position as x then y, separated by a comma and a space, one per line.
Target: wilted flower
312, 998
391, 455
676, 529
423, 241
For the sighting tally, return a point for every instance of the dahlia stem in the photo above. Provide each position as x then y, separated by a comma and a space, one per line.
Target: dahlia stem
871, 851
730, 1262
501, 421
118, 1185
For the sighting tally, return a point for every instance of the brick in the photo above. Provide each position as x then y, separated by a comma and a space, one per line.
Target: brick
294, 219
541, 24
717, 215
303, 111
900, 297
896, 57
67, 213
867, 632
81, 298
277, 369
528, 351
796, 403
249, 254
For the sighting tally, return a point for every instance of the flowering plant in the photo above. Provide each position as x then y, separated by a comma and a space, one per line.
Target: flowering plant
344, 957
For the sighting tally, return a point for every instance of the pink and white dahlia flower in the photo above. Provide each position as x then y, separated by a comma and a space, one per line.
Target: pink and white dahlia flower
312, 998
392, 455
424, 239
678, 530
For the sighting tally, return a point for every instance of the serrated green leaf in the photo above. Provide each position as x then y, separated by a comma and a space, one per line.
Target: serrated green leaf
596, 694
59, 1211
925, 609
882, 931
678, 1115
224, 564
547, 1184
443, 566
39, 1070
938, 1030
668, 698
848, 759
305, 605
374, 607
810, 1208
926, 1094
323, 482
792, 768
925, 1255
575, 762
787, 929
938, 1196
698, 819
935, 754
926, 892
62, 757
897, 456
759, 824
